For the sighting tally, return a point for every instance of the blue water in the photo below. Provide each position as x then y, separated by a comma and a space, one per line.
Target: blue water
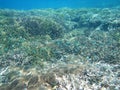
36, 4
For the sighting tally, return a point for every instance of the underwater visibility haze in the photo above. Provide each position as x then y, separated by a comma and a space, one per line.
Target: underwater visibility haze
59, 44
36, 4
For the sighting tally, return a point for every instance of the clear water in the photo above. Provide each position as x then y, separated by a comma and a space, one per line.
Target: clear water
35, 4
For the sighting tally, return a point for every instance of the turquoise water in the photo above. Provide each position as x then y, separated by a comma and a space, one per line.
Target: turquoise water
35, 4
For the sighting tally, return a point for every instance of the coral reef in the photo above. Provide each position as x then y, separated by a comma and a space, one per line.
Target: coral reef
60, 49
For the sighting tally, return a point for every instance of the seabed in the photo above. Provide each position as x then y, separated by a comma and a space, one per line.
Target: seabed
60, 49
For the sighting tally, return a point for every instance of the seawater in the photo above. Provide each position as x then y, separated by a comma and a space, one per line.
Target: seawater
59, 44
36, 4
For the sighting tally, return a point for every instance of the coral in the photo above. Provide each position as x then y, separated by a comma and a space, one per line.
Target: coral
43, 26
116, 34
60, 49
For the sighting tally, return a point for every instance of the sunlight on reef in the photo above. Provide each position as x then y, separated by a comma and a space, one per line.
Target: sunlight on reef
60, 49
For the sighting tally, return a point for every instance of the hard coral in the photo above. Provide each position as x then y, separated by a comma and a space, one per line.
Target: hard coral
42, 26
